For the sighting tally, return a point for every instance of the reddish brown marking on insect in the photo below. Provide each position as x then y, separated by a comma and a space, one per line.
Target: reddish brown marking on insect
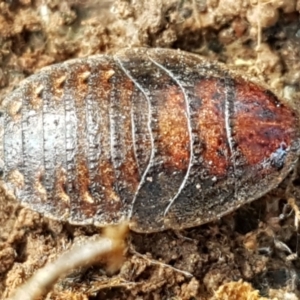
60, 184
111, 198
262, 123
212, 126
105, 178
175, 140
107, 74
82, 174
84, 181
129, 165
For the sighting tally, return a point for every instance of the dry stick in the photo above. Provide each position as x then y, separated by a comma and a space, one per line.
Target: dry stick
80, 255
159, 263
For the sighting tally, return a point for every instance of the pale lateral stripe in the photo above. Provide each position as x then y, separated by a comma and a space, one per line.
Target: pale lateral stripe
227, 119
188, 117
228, 129
150, 133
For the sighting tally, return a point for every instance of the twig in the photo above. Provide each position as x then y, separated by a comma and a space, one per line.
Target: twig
80, 255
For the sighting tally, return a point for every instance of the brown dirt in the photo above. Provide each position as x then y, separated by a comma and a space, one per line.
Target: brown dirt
260, 37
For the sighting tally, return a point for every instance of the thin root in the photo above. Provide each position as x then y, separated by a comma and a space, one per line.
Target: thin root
161, 264
80, 255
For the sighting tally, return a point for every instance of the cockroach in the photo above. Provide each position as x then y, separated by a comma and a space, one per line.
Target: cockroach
162, 138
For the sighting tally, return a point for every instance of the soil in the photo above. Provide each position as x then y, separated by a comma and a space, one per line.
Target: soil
249, 254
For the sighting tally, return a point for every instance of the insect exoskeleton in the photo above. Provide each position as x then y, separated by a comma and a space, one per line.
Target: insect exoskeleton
164, 138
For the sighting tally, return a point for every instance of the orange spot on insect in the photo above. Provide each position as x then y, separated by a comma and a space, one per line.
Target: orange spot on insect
212, 131
175, 139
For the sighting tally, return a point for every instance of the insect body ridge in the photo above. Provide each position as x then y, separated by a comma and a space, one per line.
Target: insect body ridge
161, 137
144, 173
189, 129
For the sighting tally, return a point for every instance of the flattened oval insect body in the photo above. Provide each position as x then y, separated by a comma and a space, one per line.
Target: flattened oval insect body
161, 137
